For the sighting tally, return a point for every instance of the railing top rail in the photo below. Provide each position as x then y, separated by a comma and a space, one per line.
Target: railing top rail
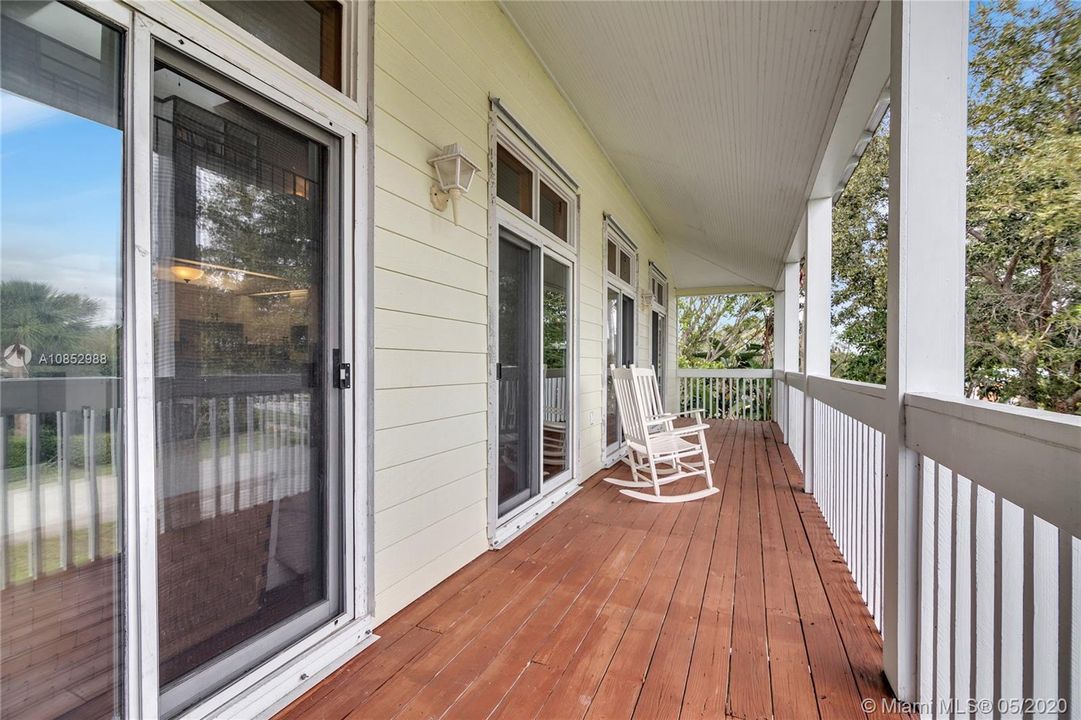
727, 373
1039, 425
1029, 457
56, 394
864, 388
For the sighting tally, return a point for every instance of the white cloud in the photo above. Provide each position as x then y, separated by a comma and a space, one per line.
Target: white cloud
17, 113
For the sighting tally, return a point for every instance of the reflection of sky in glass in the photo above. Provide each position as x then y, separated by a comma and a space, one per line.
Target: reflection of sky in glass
60, 201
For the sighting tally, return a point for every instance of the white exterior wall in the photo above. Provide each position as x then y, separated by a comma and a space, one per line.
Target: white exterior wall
436, 64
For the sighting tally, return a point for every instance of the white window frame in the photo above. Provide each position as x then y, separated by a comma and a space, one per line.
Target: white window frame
505, 132
209, 39
657, 278
614, 233
303, 85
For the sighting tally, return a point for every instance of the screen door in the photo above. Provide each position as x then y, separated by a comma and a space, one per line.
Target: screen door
518, 372
245, 296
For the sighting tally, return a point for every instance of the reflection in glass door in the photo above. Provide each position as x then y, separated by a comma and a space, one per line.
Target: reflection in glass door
619, 345
556, 425
246, 424
61, 324
659, 331
516, 372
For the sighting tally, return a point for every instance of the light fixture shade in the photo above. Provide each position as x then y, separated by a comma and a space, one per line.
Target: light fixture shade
186, 273
453, 169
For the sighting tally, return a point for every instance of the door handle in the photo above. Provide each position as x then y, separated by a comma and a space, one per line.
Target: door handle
343, 371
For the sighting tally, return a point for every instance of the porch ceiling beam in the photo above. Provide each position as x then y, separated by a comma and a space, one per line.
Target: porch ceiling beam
721, 290
925, 315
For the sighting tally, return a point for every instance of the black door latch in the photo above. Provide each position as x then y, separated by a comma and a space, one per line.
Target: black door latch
343, 372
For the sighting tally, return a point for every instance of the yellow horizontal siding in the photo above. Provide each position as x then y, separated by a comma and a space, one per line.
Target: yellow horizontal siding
436, 66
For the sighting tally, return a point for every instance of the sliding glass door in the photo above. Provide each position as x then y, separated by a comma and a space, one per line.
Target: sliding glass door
658, 347
245, 322
533, 371
517, 369
619, 344
557, 380
61, 324
176, 303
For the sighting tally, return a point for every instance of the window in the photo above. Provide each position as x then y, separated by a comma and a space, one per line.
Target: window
61, 419
533, 345
658, 328
307, 32
514, 182
625, 272
530, 187
553, 212
619, 324
659, 288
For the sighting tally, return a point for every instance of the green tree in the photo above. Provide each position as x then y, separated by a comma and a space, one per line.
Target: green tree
1024, 204
40, 317
860, 223
255, 229
726, 331
555, 328
1023, 298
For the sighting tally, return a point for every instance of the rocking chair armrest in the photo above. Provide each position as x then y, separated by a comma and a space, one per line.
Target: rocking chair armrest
688, 429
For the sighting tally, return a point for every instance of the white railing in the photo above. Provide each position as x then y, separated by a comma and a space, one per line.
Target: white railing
788, 410
61, 513
727, 394
848, 469
1000, 558
60, 436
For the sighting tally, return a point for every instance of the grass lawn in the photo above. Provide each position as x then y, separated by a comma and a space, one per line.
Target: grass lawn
19, 553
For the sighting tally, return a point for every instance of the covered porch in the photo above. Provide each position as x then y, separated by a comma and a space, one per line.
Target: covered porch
737, 606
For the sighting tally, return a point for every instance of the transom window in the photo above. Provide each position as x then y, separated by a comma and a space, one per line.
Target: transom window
524, 184
308, 32
659, 289
621, 262
514, 181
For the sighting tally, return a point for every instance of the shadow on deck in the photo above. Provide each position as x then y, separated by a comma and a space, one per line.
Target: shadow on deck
739, 605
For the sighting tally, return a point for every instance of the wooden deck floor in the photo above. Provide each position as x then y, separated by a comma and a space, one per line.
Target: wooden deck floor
736, 606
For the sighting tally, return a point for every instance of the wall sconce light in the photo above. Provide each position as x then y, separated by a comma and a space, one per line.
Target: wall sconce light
454, 172
186, 273
647, 297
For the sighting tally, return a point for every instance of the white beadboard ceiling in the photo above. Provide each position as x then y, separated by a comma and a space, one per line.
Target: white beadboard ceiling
716, 114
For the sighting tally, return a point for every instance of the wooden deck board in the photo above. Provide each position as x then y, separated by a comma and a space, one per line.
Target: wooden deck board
735, 606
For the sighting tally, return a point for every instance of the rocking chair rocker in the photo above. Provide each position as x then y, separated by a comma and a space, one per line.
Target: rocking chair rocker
657, 452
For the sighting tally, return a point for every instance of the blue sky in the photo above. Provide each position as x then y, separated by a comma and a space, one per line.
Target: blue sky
60, 200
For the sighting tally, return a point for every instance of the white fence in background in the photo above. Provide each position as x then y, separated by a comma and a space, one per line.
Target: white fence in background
1000, 518
727, 394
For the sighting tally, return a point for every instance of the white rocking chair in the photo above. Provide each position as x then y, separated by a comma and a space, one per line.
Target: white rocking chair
657, 452
658, 418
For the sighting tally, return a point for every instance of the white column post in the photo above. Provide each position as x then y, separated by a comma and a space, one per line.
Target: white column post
778, 355
925, 348
786, 334
816, 317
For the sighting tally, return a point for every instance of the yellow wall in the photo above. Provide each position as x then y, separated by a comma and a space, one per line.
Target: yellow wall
435, 66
